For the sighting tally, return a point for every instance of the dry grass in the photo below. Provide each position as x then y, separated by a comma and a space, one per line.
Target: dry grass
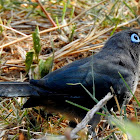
92, 24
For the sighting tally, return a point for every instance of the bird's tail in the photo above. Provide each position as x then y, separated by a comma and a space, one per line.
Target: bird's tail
17, 89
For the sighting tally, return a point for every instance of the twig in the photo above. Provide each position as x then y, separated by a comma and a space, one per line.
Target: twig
46, 13
16, 61
116, 100
87, 49
5, 78
13, 30
118, 106
90, 115
11, 65
24, 38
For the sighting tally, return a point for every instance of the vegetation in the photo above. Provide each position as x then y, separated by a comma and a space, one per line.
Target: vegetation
37, 37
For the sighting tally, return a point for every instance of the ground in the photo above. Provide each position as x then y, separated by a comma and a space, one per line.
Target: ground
87, 26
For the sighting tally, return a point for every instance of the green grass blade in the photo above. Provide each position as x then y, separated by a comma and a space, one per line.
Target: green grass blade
74, 104
64, 11
72, 33
36, 43
84, 108
130, 8
94, 99
29, 60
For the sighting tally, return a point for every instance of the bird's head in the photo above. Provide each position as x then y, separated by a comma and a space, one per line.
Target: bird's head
127, 40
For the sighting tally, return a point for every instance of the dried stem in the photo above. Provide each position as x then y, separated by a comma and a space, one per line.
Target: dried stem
90, 115
46, 13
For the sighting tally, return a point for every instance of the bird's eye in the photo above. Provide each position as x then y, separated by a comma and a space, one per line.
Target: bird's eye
135, 38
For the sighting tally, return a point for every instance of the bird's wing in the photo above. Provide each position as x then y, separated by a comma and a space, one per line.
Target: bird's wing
60, 81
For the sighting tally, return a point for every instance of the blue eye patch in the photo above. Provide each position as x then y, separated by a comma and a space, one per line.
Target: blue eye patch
135, 38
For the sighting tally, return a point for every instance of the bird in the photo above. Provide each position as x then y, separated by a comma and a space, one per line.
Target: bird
98, 72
